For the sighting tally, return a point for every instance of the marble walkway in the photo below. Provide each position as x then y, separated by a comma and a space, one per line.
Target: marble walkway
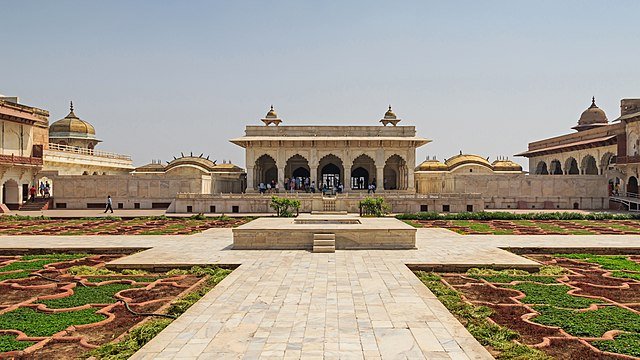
355, 304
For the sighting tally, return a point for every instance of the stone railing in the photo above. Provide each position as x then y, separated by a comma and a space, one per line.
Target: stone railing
90, 152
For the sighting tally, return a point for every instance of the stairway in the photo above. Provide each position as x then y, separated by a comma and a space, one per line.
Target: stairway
328, 204
37, 205
324, 243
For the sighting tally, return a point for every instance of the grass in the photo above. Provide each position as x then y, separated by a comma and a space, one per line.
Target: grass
554, 295
35, 323
589, 323
9, 343
627, 343
625, 275
139, 336
474, 318
136, 279
547, 275
87, 295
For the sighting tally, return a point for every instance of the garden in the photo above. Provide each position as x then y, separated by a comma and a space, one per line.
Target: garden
554, 223
160, 225
69, 306
578, 306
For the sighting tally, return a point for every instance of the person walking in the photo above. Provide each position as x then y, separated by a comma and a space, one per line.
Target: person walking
32, 192
109, 205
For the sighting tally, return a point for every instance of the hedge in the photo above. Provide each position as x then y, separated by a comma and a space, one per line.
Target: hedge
502, 215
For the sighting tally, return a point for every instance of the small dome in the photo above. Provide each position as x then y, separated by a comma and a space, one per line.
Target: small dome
72, 126
198, 161
152, 167
390, 115
432, 165
463, 159
506, 165
592, 117
271, 114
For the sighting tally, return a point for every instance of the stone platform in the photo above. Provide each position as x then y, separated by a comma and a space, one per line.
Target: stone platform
351, 232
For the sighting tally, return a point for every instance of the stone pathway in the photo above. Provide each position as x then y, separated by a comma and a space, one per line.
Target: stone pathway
360, 304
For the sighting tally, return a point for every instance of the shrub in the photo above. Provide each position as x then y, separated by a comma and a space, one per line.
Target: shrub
86, 270
284, 207
373, 206
199, 216
132, 342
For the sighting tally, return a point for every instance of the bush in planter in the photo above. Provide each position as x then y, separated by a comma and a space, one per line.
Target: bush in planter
373, 206
284, 207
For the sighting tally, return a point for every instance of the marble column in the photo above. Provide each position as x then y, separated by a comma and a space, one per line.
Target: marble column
281, 178
250, 179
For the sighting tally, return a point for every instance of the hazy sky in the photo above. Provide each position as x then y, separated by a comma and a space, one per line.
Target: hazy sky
159, 77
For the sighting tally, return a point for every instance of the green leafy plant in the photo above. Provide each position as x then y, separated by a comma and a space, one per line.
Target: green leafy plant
503, 215
9, 343
373, 206
589, 323
609, 262
87, 295
626, 343
284, 207
36, 323
86, 270
554, 295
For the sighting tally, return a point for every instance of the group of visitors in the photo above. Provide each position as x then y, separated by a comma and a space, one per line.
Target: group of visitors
269, 187
44, 189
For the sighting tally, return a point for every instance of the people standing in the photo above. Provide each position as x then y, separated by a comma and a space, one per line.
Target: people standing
109, 205
313, 187
32, 192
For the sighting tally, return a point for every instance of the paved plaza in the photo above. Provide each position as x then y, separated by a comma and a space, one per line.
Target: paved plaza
360, 304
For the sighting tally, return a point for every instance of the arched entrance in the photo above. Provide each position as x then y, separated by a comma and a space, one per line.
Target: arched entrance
571, 166
265, 171
330, 172
556, 167
541, 168
11, 194
45, 187
359, 179
632, 185
395, 173
362, 169
297, 169
589, 165
614, 186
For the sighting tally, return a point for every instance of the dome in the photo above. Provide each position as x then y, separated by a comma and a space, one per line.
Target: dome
592, 117
506, 165
71, 126
432, 165
390, 114
152, 167
271, 114
464, 159
197, 161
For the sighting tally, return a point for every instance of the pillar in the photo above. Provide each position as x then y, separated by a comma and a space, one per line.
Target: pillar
313, 173
280, 177
250, 179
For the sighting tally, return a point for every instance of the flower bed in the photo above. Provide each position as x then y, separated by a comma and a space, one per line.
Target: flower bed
580, 306
68, 306
534, 227
114, 226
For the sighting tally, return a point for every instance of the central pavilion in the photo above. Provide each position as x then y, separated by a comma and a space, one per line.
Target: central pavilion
354, 156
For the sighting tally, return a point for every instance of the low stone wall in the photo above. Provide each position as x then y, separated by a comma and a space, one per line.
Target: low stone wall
349, 202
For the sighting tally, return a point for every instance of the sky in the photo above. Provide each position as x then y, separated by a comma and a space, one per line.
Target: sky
157, 78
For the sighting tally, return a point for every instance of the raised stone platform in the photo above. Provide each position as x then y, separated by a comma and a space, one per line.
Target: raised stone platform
351, 232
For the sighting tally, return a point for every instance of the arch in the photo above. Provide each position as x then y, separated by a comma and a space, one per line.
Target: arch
265, 171
556, 168
632, 185
45, 186
633, 144
541, 168
614, 186
11, 194
297, 169
330, 171
361, 170
607, 161
589, 166
395, 173
571, 166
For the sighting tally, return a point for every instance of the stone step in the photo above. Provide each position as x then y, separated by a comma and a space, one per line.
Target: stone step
331, 242
324, 249
324, 237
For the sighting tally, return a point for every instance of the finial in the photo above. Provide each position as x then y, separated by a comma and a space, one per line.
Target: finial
593, 101
71, 106
389, 107
271, 106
